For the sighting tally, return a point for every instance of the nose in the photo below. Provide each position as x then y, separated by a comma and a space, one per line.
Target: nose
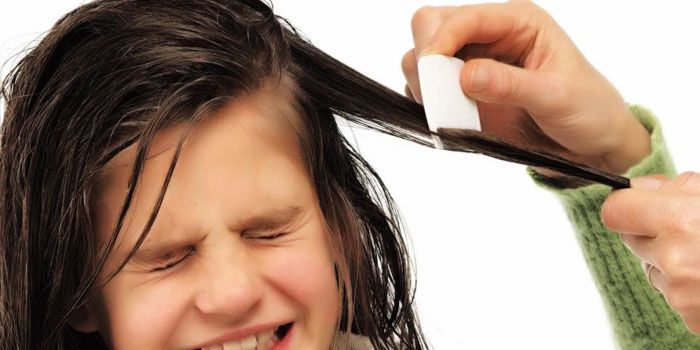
231, 288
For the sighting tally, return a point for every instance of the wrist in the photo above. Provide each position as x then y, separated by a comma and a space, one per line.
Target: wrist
633, 146
626, 144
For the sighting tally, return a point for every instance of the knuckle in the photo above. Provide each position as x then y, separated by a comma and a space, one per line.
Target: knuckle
521, 3
688, 180
513, 86
423, 16
670, 261
679, 275
507, 86
532, 9
609, 211
526, 6
471, 16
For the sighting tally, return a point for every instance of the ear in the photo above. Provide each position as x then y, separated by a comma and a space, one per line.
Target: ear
83, 319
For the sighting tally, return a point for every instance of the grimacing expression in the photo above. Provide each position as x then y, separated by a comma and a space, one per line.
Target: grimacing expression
239, 248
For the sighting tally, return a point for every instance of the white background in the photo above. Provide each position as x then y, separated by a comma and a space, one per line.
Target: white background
498, 264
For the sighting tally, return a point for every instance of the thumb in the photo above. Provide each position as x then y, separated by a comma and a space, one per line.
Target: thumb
649, 182
488, 80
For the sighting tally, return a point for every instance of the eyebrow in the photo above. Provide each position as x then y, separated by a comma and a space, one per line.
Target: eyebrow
274, 219
268, 221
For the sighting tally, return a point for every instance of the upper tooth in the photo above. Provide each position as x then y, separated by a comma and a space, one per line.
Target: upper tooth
248, 343
263, 337
233, 345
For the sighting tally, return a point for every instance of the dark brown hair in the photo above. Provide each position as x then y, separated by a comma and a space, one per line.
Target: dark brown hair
115, 72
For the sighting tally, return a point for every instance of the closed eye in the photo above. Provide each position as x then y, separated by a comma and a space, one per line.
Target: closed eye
178, 259
267, 236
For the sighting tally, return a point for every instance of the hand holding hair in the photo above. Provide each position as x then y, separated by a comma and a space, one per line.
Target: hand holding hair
658, 219
533, 87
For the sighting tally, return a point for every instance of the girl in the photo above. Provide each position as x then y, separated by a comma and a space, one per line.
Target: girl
287, 236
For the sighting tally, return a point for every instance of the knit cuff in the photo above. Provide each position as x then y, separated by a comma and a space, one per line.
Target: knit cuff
640, 316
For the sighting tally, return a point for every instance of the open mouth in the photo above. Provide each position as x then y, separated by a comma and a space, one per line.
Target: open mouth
282, 330
267, 340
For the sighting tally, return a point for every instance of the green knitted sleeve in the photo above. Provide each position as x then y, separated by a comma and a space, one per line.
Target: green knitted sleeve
640, 317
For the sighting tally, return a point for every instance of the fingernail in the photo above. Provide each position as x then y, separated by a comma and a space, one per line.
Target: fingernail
645, 183
479, 79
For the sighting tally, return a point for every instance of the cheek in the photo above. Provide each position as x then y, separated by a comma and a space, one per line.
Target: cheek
140, 320
304, 273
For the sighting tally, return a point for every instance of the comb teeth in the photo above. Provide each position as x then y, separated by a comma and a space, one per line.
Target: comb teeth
446, 105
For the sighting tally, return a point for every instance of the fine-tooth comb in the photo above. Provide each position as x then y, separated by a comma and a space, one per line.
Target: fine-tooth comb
452, 116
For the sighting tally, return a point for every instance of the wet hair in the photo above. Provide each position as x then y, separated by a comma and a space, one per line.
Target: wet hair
113, 73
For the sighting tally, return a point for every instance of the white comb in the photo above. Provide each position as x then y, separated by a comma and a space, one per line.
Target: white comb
445, 104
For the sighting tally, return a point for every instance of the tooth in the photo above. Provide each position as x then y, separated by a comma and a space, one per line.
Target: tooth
249, 343
262, 337
234, 345
215, 347
267, 345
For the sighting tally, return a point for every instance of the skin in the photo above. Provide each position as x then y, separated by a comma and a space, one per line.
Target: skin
533, 86
526, 76
240, 163
659, 220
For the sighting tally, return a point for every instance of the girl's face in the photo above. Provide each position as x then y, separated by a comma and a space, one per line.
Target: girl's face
238, 254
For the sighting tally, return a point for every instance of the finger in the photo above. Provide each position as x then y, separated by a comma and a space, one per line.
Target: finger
408, 92
410, 72
650, 213
650, 182
656, 278
671, 257
425, 23
484, 23
691, 320
642, 247
495, 82
687, 182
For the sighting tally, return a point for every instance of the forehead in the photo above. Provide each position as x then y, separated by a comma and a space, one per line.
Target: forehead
231, 162
272, 109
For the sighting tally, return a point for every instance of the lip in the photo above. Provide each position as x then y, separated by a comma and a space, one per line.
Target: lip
243, 333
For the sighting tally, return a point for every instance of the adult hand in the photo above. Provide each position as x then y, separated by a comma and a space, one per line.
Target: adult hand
532, 85
659, 221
